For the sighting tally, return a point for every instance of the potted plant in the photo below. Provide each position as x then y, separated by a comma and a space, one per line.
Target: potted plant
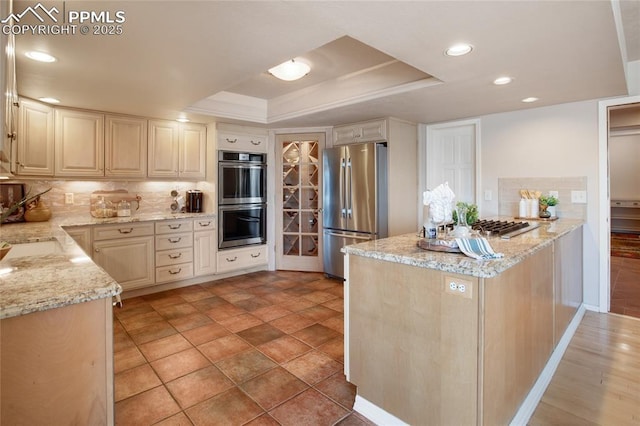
549, 202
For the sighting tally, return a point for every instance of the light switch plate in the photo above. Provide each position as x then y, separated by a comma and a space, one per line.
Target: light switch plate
579, 197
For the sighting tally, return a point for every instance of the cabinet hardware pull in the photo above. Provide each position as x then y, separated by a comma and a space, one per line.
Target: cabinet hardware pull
171, 240
97, 250
232, 260
173, 256
125, 231
204, 223
175, 226
232, 141
254, 256
174, 273
255, 143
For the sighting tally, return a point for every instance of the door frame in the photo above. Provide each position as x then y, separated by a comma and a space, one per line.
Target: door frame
274, 205
425, 137
604, 220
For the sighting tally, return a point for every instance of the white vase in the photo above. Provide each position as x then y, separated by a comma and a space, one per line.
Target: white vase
552, 210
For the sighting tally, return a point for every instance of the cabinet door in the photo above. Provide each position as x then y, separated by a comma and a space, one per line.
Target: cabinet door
79, 143
130, 261
82, 236
204, 245
193, 144
125, 147
163, 149
368, 131
242, 142
35, 139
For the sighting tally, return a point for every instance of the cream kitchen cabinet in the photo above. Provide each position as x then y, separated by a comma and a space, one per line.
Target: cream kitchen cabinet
232, 137
176, 150
242, 258
82, 236
125, 152
35, 139
79, 143
204, 247
126, 252
174, 250
368, 131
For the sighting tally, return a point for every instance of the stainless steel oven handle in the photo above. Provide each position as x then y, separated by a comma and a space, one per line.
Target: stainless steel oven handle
249, 219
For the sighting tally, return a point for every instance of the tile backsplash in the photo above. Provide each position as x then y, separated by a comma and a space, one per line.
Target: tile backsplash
156, 195
509, 194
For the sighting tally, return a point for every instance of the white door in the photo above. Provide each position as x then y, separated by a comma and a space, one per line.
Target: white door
451, 157
298, 201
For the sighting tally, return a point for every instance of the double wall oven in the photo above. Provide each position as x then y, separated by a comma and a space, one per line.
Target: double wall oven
242, 199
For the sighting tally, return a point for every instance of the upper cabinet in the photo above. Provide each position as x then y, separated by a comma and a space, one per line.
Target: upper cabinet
177, 150
125, 153
241, 138
368, 131
79, 143
35, 139
65, 142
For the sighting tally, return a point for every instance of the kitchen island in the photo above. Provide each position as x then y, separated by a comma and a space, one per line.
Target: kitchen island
441, 338
56, 326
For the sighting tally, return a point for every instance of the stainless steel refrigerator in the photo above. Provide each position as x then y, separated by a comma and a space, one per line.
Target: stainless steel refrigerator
354, 199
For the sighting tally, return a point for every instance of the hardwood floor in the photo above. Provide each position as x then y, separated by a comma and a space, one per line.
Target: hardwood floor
625, 286
598, 379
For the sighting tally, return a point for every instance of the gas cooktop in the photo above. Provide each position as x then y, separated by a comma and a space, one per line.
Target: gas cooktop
504, 229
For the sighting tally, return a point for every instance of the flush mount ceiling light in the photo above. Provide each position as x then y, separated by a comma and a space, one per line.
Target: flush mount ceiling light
502, 80
40, 56
182, 119
290, 70
529, 100
50, 100
459, 49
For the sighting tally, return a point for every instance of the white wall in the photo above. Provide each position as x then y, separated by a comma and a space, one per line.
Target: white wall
555, 141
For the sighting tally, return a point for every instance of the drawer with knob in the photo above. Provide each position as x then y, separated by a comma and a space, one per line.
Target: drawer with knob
174, 241
124, 230
246, 257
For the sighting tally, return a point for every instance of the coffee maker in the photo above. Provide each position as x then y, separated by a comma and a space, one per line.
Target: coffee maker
194, 201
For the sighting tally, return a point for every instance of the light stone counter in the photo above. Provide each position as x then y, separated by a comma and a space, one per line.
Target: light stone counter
403, 249
63, 274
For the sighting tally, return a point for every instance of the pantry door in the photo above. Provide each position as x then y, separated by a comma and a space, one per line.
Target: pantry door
452, 157
298, 201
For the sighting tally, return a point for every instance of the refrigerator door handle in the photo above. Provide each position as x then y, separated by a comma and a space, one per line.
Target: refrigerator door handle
350, 196
355, 237
343, 200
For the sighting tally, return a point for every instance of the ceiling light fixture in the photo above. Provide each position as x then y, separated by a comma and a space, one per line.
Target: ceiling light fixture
182, 119
40, 56
290, 70
50, 100
502, 80
529, 100
459, 49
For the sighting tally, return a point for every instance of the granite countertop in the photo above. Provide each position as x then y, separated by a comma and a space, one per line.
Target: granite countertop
64, 274
404, 249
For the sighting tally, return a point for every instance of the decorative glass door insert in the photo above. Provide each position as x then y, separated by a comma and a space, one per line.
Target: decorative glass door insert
300, 202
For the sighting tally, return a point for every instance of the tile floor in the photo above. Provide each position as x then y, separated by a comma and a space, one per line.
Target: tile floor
625, 286
260, 349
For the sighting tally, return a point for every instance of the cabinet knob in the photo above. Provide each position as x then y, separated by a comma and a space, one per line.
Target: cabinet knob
97, 250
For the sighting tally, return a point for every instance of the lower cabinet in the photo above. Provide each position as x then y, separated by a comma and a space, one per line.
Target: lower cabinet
126, 252
242, 258
204, 246
174, 250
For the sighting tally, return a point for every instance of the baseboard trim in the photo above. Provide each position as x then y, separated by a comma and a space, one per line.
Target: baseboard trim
535, 394
375, 413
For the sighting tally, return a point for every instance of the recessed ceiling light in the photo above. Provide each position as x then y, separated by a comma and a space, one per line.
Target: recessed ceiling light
529, 100
50, 100
290, 70
502, 80
459, 49
182, 119
40, 56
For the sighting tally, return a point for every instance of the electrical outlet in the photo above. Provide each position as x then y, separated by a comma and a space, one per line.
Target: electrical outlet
457, 287
579, 197
68, 198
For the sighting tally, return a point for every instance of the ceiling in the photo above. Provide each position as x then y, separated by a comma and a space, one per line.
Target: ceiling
208, 59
